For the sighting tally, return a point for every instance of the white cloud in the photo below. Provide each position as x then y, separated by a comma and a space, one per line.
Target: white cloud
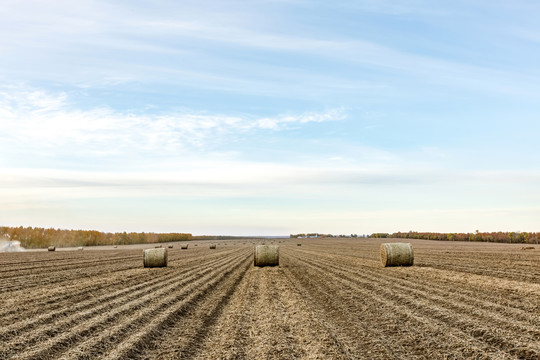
36, 119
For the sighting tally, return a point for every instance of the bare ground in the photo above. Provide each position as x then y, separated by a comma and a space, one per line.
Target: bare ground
328, 299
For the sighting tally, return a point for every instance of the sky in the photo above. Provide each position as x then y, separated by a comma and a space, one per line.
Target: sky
270, 117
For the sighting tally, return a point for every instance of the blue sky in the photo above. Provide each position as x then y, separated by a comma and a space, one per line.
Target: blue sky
270, 117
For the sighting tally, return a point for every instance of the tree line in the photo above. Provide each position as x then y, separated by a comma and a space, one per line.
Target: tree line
36, 237
502, 237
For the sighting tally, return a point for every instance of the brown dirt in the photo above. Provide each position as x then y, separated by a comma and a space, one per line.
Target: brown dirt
328, 299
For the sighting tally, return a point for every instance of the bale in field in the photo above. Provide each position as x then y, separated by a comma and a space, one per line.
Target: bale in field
155, 257
527, 248
185, 246
80, 248
51, 248
299, 244
266, 255
397, 254
158, 246
212, 246
115, 246
170, 246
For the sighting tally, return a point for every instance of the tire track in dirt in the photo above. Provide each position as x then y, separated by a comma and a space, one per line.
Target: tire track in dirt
423, 311
72, 328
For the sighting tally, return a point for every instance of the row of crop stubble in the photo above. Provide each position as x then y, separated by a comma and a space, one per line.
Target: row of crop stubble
327, 299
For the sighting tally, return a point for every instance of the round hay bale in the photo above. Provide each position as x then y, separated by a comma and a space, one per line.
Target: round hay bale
266, 255
158, 246
170, 246
51, 248
397, 254
80, 248
184, 247
299, 244
155, 257
212, 246
115, 246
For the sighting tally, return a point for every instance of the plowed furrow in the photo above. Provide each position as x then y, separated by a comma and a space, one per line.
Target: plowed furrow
359, 339
185, 324
489, 270
434, 308
410, 312
22, 302
487, 264
32, 258
60, 265
148, 280
27, 305
489, 294
87, 320
39, 280
505, 317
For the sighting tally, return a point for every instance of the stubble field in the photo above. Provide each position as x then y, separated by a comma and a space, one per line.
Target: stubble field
328, 299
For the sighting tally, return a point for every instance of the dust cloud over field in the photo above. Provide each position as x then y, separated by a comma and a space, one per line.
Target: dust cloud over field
328, 299
10, 246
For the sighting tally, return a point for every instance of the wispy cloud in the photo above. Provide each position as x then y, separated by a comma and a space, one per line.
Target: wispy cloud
132, 48
39, 119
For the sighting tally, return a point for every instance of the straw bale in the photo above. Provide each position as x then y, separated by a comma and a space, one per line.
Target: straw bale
212, 246
397, 254
51, 248
266, 255
156, 257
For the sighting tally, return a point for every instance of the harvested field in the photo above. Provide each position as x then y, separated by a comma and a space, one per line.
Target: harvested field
328, 299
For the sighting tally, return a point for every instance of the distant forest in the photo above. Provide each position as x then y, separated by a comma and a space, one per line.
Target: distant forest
502, 237
36, 237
